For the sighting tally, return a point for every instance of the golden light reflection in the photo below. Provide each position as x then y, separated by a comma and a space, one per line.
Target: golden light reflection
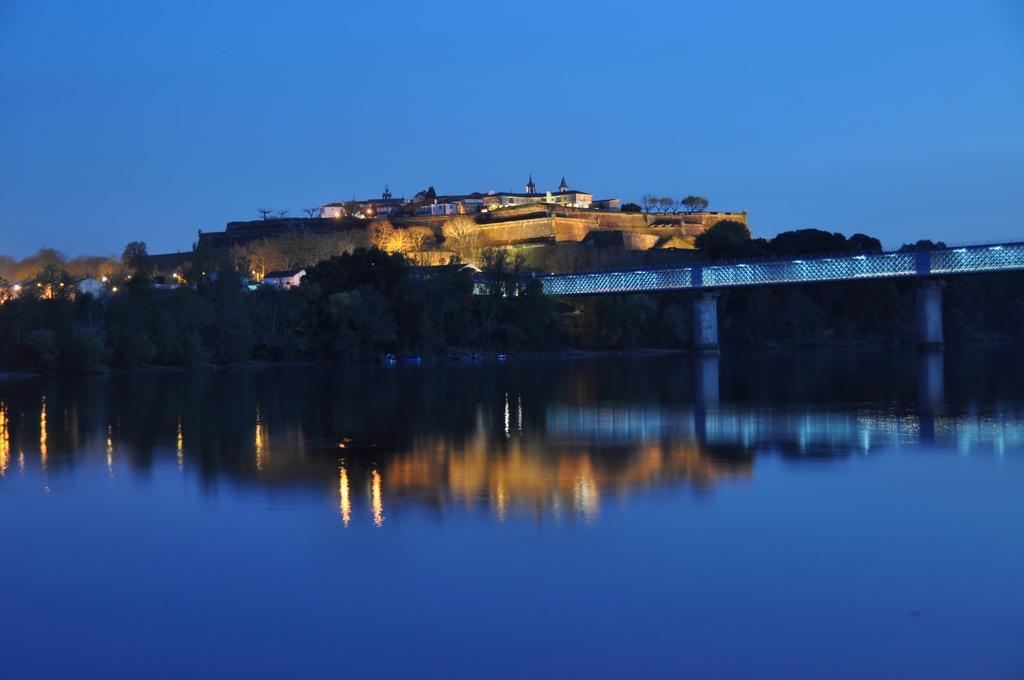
261, 441
42, 434
376, 498
110, 450
5, 441
586, 497
180, 445
537, 477
501, 500
344, 502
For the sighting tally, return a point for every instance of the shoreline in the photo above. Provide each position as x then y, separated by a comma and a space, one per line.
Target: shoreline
468, 357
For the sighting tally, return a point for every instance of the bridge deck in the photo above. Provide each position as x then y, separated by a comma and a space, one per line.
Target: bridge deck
965, 260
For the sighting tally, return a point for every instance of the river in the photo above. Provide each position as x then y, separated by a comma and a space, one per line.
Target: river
841, 513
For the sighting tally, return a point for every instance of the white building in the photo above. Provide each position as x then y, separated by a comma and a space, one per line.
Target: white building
284, 279
91, 286
564, 197
333, 211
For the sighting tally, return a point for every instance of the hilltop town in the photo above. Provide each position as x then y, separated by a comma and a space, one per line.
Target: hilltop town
556, 229
561, 229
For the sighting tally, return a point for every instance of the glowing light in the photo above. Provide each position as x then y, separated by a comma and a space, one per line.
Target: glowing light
508, 431
110, 450
344, 503
114, 289
42, 434
501, 500
261, 441
104, 279
586, 499
5, 441
180, 445
17, 287
376, 499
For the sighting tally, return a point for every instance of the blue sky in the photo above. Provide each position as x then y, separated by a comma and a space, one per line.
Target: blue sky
151, 120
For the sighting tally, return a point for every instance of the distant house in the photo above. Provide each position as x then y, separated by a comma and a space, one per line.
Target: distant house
91, 286
566, 197
284, 279
332, 211
370, 208
612, 204
468, 204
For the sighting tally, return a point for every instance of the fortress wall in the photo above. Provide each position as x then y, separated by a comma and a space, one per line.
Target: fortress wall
504, 233
637, 241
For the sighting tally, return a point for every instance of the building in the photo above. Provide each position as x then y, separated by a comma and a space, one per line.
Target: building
564, 197
465, 204
370, 208
332, 211
609, 204
284, 279
91, 286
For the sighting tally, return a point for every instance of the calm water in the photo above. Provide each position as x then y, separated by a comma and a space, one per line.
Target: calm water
841, 514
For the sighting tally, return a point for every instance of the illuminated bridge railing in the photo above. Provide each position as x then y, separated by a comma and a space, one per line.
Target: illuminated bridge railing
759, 273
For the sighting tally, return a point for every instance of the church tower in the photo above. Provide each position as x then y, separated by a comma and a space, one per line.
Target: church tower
564, 186
387, 193
531, 188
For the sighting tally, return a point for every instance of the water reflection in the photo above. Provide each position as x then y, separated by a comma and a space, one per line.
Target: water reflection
42, 434
377, 498
5, 441
553, 439
344, 502
180, 445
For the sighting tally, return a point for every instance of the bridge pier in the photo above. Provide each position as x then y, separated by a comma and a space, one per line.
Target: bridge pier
705, 322
928, 300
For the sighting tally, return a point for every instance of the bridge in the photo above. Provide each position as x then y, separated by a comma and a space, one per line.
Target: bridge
708, 278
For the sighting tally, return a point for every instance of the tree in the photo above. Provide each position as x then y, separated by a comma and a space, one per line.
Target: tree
818, 242
923, 244
361, 268
808, 242
134, 255
312, 212
694, 204
649, 202
630, 208
501, 266
726, 238
862, 243
382, 234
363, 323
666, 204
281, 214
420, 238
463, 237
264, 212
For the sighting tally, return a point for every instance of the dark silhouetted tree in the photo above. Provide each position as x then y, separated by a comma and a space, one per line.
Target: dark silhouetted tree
134, 255
693, 204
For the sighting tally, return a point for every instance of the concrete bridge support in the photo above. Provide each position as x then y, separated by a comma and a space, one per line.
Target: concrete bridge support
929, 313
705, 322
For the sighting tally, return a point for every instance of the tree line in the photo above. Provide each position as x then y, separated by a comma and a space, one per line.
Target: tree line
366, 304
